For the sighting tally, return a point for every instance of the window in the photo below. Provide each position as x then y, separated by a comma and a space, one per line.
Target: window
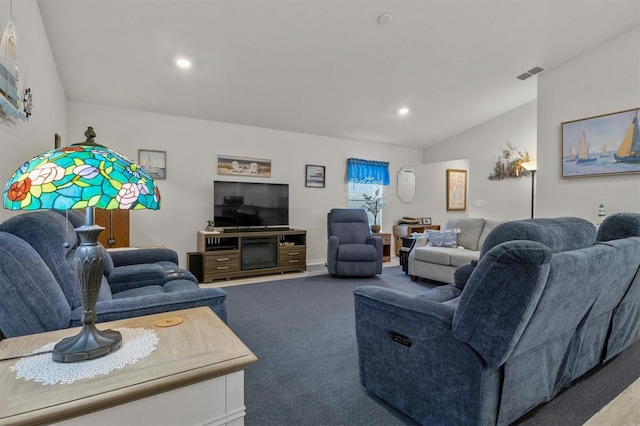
356, 200
365, 177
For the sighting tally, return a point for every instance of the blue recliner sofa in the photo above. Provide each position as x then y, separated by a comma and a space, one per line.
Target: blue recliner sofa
38, 284
351, 249
546, 302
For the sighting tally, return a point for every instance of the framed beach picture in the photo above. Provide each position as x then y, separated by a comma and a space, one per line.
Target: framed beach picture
243, 166
153, 162
314, 176
456, 190
601, 145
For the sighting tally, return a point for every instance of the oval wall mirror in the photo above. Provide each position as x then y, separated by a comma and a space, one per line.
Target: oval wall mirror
406, 184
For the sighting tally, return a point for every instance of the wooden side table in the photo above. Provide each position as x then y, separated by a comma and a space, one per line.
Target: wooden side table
195, 376
386, 246
411, 229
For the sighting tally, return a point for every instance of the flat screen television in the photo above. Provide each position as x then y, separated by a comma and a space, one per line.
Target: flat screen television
250, 205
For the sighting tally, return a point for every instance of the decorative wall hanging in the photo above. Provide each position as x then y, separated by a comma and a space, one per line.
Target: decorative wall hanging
314, 176
601, 145
243, 166
16, 100
456, 190
406, 184
509, 164
153, 162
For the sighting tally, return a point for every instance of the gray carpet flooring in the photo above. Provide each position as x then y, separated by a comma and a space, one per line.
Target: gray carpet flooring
302, 331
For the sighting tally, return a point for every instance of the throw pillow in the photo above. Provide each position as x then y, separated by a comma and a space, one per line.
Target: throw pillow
447, 238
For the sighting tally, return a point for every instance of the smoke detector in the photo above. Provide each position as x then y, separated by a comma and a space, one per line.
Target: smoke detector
384, 18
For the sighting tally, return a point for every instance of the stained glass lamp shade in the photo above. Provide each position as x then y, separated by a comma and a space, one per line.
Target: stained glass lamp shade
83, 176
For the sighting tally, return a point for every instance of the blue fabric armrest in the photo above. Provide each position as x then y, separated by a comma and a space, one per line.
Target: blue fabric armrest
375, 241
132, 276
462, 273
149, 255
111, 310
405, 304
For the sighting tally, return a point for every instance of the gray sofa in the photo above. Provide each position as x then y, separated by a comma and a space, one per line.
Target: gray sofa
39, 289
440, 263
546, 302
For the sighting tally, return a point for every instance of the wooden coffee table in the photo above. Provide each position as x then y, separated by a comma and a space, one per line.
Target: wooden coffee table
195, 376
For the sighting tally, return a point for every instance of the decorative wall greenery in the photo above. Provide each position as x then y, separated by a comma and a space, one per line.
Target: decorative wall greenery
509, 164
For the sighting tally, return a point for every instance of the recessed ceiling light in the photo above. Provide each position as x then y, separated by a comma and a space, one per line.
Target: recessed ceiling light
183, 63
403, 111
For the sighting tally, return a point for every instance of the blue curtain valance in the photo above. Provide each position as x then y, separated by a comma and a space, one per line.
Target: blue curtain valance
366, 171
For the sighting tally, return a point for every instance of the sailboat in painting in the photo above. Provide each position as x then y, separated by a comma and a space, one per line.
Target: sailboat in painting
572, 155
605, 152
583, 151
629, 150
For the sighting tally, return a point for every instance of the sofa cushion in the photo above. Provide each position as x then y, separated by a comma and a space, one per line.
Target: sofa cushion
619, 225
489, 225
357, 253
446, 238
500, 297
437, 255
470, 231
462, 257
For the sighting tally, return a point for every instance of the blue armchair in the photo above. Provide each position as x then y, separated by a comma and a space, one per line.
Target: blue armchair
351, 249
39, 290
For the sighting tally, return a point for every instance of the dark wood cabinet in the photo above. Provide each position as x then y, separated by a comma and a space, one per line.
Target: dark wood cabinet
228, 254
116, 224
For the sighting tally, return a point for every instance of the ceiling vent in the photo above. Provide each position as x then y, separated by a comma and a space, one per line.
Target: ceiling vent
533, 71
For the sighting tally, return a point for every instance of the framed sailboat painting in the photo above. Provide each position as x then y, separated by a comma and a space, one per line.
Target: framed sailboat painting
153, 162
601, 145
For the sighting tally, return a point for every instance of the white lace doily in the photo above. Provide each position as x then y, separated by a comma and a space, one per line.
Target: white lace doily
137, 343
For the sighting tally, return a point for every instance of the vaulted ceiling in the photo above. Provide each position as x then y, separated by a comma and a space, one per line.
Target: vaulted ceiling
339, 68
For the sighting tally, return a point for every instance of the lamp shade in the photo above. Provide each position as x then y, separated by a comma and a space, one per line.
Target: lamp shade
531, 166
80, 176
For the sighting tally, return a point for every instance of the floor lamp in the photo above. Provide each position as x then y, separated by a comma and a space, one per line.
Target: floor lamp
531, 166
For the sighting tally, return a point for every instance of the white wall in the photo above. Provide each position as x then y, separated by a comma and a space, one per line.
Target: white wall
22, 140
604, 80
505, 199
192, 148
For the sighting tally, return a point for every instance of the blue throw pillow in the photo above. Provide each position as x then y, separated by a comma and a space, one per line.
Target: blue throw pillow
446, 238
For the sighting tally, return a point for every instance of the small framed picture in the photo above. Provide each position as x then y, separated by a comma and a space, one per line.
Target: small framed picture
153, 162
314, 176
425, 221
456, 190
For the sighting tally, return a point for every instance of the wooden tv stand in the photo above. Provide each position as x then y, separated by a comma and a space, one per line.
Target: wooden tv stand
243, 254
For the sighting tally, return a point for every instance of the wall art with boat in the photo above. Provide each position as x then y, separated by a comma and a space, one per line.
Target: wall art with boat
601, 145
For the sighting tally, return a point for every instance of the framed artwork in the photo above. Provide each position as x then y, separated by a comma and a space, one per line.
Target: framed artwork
243, 166
153, 162
456, 190
425, 221
601, 145
314, 176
